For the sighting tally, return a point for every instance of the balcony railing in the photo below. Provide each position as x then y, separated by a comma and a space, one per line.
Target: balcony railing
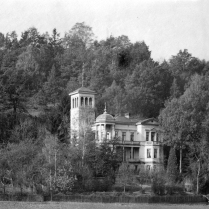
130, 142
152, 143
140, 142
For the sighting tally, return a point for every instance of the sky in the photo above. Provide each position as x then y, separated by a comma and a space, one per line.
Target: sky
166, 26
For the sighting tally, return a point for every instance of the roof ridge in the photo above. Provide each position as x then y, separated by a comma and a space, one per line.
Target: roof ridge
82, 90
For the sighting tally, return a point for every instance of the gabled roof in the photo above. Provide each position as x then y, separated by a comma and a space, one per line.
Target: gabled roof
149, 121
82, 90
124, 120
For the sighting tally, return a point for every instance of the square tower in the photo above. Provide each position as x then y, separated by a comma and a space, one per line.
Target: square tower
82, 113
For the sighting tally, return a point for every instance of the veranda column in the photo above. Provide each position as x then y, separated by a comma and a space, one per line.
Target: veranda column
132, 157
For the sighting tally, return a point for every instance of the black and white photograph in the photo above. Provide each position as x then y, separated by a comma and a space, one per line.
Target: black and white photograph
104, 104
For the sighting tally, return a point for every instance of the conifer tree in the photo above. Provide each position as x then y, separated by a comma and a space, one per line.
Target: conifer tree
172, 170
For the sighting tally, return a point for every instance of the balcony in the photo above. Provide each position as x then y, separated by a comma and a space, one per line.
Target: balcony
137, 143
151, 143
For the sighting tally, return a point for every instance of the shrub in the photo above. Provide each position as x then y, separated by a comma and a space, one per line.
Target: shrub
172, 172
100, 185
128, 188
174, 189
158, 183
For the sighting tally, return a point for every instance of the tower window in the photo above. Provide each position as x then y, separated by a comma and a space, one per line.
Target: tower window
90, 101
82, 101
86, 101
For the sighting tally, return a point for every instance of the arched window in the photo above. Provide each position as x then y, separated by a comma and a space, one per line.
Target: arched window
82, 102
86, 101
90, 101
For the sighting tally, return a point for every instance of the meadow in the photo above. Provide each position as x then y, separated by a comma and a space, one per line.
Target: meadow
75, 205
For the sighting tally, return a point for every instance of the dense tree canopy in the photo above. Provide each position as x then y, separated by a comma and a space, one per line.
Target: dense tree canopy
38, 71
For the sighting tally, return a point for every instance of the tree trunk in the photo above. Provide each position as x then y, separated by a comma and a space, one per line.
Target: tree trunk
4, 188
55, 164
180, 163
198, 174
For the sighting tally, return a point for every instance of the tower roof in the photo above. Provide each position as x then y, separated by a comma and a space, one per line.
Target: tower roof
82, 90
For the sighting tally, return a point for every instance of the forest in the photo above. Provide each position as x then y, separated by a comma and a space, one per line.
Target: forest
38, 71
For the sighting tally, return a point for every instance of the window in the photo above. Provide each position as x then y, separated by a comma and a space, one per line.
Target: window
152, 136
148, 153
82, 101
90, 101
123, 136
148, 167
155, 168
116, 134
108, 135
132, 136
157, 137
102, 135
147, 136
86, 101
155, 153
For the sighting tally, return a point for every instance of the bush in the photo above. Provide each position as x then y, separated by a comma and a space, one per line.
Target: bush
158, 183
128, 188
174, 189
172, 172
100, 185
158, 188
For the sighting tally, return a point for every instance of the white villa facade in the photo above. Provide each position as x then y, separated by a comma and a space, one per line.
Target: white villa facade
140, 138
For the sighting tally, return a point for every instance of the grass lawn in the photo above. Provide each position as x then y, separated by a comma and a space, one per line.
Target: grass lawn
75, 205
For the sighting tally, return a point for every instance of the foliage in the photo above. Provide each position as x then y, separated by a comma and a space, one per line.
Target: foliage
37, 72
64, 180
158, 183
125, 175
172, 172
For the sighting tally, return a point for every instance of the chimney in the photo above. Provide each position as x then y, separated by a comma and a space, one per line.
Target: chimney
127, 115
